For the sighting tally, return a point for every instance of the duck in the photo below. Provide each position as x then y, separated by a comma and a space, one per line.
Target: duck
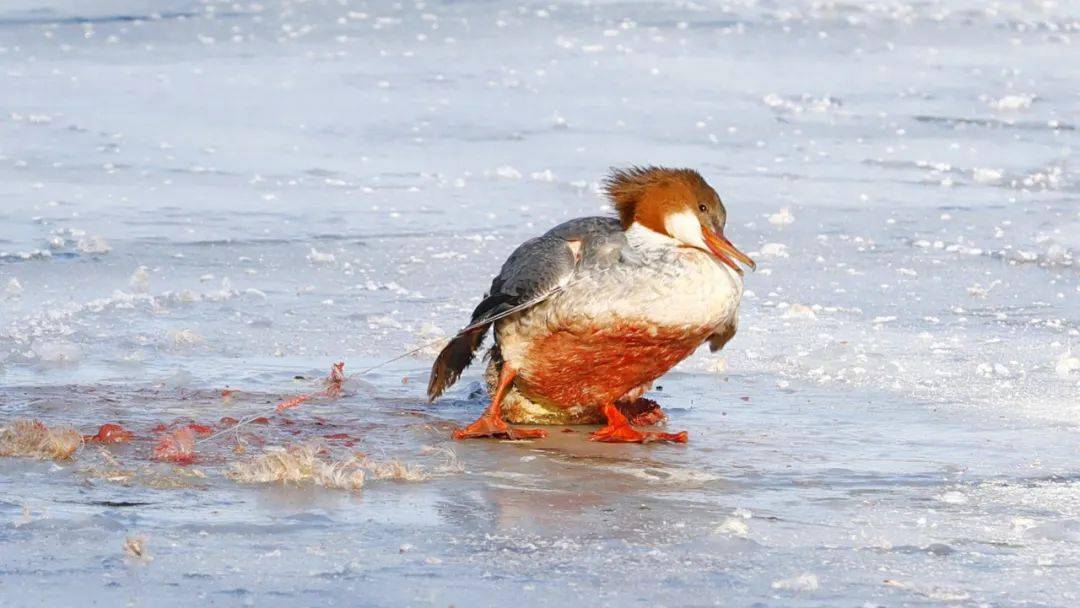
587, 316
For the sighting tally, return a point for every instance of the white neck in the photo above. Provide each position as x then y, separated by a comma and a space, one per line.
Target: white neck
683, 228
668, 283
641, 237
646, 239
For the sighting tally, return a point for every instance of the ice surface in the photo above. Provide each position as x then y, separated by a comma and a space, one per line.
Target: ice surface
198, 196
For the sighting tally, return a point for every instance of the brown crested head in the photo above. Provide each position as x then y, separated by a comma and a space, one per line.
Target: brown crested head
677, 203
647, 195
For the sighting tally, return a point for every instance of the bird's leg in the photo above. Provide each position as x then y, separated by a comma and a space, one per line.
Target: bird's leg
490, 423
618, 430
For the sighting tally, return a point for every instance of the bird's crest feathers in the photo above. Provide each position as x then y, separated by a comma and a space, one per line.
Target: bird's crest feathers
626, 188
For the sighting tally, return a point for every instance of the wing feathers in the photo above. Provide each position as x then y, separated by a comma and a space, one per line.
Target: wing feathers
537, 270
454, 358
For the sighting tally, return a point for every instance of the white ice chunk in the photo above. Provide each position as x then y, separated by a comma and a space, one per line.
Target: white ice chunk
981, 175
803, 582
734, 526
1067, 367
782, 217
93, 245
14, 289
953, 498
799, 311
1012, 102
774, 250
140, 280
184, 338
508, 172
318, 257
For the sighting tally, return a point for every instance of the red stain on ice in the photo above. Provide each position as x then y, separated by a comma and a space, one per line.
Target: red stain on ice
291, 403
333, 384
109, 433
178, 447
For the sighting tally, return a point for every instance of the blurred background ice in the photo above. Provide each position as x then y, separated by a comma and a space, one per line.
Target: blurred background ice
200, 194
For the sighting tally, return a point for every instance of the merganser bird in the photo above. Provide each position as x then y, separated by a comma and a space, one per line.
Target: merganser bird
588, 315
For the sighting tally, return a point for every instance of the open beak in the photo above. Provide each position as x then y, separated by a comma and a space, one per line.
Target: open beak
723, 249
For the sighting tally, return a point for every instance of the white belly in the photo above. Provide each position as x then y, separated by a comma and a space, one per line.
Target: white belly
669, 289
685, 288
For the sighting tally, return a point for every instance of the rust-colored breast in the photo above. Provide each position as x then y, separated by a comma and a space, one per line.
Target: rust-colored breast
597, 365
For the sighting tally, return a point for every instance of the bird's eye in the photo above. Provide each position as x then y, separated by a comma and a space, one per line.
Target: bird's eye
702, 208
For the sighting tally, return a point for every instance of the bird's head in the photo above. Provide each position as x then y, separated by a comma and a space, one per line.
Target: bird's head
677, 203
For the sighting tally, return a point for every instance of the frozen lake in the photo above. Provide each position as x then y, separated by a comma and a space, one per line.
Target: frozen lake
201, 196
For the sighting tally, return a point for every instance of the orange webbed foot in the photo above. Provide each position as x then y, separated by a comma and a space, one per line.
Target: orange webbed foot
628, 434
618, 430
491, 423
487, 426
623, 433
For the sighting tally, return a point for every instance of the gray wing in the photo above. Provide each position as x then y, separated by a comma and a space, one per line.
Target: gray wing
541, 267
535, 271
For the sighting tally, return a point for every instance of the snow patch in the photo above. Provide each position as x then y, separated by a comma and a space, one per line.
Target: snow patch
799, 311
803, 582
184, 338
734, 526
1012, 103
318, 257
140, 280
14, 288
1067, 367
773, 250
508, 172
954, 498
982, 175
93, 245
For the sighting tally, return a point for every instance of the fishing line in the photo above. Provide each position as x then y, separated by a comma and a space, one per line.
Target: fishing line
472, 326
305, 397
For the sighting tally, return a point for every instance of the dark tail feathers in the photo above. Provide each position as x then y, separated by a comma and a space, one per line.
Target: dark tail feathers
454, 358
